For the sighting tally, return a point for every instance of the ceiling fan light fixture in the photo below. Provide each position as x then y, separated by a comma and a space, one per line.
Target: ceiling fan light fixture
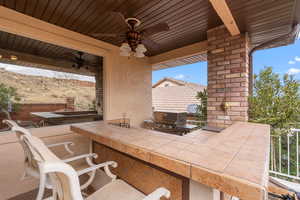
125, 53
125, 47
141, 48
139, 54
133, 21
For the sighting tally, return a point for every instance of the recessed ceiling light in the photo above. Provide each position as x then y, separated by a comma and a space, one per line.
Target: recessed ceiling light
12, 57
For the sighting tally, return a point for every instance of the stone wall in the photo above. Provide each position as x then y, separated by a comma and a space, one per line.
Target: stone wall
228, 77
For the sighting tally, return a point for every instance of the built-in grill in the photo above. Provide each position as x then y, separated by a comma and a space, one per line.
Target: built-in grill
170, 118
170, 122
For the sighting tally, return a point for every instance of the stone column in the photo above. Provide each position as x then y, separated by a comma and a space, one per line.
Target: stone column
228, 77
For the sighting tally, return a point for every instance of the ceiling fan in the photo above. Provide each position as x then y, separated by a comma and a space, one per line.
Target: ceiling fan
135, 41
78, 59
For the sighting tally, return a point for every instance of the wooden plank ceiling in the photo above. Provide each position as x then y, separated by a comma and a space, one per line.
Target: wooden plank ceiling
188, 19
264, 20
20, 44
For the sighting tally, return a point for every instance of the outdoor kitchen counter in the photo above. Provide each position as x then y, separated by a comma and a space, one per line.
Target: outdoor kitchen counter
234, 161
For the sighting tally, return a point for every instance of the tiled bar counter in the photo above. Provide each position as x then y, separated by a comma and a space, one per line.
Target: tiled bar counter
234, 161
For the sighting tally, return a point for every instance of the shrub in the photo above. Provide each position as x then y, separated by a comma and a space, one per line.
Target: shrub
8, 100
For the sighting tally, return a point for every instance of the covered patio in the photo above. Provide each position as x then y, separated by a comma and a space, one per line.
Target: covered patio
224, 33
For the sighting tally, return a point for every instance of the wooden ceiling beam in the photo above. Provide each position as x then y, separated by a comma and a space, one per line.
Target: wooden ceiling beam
225, 14
17, 23
180, 53
30, 60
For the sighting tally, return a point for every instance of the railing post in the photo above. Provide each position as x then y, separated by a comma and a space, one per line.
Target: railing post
281, 169
271, 153
297, 152
288, 149
279, 146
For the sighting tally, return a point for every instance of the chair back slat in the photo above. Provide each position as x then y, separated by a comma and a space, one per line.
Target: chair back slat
20, 131
63, 177
38, 157
10, 123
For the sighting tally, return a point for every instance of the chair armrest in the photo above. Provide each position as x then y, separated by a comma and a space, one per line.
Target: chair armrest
65, 144
86, 156
158, 193
104, 165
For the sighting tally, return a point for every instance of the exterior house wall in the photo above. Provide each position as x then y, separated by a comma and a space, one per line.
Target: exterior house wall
127, 88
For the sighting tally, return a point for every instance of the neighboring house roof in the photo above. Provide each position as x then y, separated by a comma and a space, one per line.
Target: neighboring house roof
174, 98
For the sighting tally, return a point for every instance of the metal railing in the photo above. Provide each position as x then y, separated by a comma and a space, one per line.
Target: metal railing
284, 155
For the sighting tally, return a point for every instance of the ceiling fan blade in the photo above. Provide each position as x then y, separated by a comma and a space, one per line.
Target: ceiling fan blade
93, 64
68, 56
102, 6
120, 18
150, 44
65, 59
111, 35
156, 29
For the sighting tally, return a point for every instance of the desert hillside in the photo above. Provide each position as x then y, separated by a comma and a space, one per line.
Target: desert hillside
37, 89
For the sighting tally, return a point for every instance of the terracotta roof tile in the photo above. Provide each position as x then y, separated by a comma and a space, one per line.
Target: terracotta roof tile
175, 98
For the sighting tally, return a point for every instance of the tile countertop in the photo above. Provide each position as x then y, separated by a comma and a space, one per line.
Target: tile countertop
234, 161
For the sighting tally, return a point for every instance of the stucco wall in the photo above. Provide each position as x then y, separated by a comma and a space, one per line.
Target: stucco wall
128, 88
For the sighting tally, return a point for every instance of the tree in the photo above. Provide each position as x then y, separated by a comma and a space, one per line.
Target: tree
275, 101
8, 100
202, 107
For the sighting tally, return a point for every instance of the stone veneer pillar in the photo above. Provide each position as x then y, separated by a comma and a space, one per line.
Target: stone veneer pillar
228, 77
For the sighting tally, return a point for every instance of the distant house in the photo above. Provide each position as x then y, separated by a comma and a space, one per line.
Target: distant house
172, 95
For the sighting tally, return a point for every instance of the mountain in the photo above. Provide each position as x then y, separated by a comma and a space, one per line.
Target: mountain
38, 89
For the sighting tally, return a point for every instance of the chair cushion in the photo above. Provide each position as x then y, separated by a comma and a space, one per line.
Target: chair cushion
117, 190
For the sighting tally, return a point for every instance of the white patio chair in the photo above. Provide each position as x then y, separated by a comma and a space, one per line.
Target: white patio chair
66, 145
31, 167
66, 183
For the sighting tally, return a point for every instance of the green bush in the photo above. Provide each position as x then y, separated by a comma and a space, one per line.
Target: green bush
274, 101
202, 107
9, 99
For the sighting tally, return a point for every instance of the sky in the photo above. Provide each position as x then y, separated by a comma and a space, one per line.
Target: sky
45, 73
283, 60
